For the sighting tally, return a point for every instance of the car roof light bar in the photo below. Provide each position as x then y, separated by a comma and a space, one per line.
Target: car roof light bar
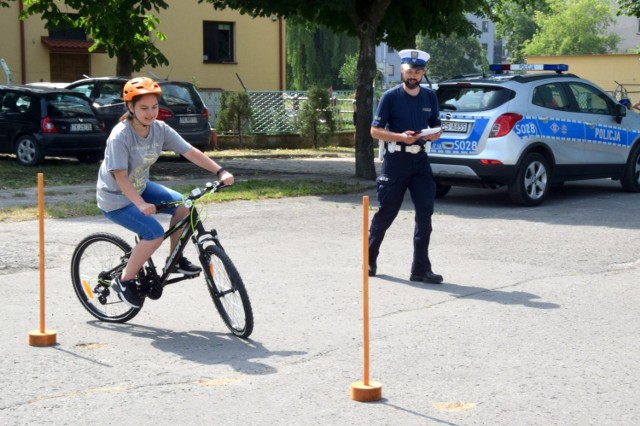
499, 68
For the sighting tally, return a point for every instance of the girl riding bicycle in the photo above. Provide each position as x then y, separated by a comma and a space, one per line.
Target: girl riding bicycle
126, 196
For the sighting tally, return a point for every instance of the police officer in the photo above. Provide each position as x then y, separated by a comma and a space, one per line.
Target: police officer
402, 113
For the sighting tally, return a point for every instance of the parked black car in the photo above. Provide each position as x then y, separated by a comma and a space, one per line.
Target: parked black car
38, 122
181, 106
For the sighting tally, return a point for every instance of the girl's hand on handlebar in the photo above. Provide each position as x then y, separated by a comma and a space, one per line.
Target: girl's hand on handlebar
147, 209
226, 178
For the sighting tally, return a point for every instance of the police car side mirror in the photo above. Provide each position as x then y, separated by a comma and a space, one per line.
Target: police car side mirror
621, 111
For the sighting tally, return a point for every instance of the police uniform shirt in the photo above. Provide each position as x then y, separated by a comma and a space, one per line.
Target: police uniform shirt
398, 111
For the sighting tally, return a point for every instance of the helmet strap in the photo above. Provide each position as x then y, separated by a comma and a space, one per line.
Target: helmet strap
133, 117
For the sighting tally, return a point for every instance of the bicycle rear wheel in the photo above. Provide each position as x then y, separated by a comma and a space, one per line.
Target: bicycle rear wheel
228, 292
95, 262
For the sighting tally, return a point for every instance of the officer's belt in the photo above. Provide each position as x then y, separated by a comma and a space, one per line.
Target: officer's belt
411, 149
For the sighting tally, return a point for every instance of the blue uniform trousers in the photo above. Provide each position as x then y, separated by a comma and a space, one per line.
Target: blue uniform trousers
401, 171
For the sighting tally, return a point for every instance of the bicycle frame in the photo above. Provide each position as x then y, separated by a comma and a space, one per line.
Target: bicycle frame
193, 230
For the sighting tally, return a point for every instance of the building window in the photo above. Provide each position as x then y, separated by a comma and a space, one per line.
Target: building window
485, 26
217, 42
498, 54
68, 33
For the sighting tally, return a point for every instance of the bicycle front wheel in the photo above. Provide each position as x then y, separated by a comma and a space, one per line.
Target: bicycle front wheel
95, 262
228, 292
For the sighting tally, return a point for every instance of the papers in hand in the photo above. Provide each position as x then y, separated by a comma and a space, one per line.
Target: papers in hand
425, 132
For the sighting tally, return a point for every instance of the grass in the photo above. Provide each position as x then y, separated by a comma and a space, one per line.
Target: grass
265, 189
56, 172
58, 210
61, 171
244, 190
64, 172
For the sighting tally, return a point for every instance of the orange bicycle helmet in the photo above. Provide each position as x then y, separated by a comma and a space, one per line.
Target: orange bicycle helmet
140, 86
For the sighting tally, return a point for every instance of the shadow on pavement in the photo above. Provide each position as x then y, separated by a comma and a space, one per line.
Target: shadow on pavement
205, 347
479, 293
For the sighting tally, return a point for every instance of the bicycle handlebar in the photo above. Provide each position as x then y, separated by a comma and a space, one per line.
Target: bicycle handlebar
196, 193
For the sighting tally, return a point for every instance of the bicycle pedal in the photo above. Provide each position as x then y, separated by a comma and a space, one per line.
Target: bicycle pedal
152, 292
191, 276
155, 293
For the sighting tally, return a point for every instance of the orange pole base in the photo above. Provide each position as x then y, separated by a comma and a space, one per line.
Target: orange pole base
38, 338
366, 393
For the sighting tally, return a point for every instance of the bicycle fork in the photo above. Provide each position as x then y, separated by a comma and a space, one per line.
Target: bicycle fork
203, 240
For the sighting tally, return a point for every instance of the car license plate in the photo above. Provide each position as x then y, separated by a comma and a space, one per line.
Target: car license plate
455, 126
81, 127
188, 120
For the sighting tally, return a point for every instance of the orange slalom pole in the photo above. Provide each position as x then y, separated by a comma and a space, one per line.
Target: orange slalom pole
41, 239
41, 337
365, 286
365, 391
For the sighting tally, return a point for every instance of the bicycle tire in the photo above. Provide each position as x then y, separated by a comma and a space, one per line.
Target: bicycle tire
91, 262
228, 292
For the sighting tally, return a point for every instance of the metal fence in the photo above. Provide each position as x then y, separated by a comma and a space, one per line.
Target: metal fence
277, 112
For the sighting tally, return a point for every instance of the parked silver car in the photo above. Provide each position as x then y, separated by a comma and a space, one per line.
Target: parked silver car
529, 131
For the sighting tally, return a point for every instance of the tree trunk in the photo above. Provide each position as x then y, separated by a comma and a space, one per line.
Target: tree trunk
124, 64
365, 167
367, 20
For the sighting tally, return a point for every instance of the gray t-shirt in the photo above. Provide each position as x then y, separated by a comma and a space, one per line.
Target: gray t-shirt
128, 151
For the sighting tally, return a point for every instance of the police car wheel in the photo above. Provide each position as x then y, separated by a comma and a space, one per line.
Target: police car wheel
531, 185
442, 190
631, 179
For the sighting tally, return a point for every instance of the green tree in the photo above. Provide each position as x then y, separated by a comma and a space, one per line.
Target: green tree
316, 116
126, 29
349, 71
372, 21
235, 112
515, 25
573, 27
464, 55
629, 8
315, 54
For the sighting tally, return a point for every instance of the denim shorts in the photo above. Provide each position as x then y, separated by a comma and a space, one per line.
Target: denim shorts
146, 227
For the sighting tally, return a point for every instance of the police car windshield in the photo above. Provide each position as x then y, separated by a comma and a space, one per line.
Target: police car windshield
472, 98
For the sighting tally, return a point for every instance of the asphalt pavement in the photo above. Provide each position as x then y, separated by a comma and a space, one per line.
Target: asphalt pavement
535, 324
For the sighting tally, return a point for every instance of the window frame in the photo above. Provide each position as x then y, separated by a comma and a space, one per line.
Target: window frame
603, 103
213, 42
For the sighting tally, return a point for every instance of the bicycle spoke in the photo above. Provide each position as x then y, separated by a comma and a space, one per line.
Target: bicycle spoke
228, 292
94, 263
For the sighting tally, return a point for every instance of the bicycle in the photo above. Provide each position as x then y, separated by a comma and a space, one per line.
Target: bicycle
101, 256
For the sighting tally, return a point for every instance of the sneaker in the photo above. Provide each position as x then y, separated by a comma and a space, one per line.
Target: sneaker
127, 292
185, 267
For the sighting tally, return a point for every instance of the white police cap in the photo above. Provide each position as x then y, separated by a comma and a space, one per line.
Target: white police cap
414, 58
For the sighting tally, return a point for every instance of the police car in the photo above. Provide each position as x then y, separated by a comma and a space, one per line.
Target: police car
529, 131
